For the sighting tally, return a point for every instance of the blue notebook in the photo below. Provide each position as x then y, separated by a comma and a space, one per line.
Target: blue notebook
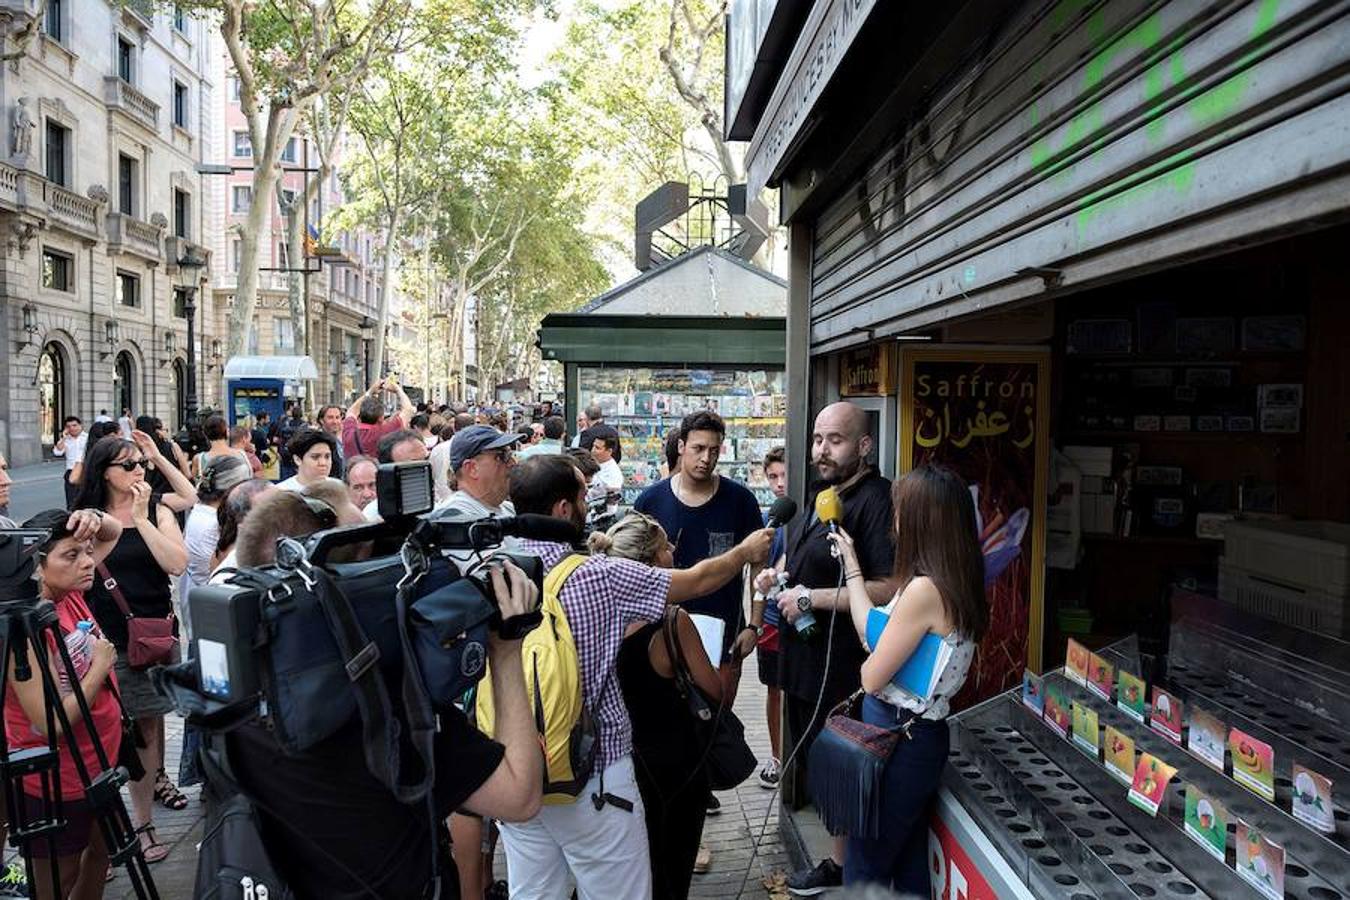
920, 672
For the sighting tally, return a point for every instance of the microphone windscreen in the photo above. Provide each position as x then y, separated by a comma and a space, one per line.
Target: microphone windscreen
782, 512
829, 508
541, 528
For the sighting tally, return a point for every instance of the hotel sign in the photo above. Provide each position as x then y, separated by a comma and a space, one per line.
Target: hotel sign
826, 38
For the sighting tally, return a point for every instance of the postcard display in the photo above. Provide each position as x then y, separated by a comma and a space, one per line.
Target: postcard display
645, 403
1251, 799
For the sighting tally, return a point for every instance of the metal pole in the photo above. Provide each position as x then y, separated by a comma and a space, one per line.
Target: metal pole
190, 402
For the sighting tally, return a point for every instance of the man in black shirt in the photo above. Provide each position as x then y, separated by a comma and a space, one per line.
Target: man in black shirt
337, 833
818, 671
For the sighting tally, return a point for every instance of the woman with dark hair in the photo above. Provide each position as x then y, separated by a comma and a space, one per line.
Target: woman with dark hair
66, 561
940, 572
666, 747
149, 553
312, 451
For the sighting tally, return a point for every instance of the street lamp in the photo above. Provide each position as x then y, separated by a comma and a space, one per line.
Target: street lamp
30, 325
190, 264
170, 347
367, 335
110, 337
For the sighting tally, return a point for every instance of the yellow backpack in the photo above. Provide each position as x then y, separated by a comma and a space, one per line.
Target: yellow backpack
553, 685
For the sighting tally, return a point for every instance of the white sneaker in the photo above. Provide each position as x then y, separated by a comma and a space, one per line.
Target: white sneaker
768, 776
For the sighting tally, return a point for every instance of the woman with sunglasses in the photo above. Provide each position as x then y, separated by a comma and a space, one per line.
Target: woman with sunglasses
76, 543
150, 552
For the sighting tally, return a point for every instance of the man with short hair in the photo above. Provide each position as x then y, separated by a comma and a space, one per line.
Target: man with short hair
103, 416
360, 480
400, 445
840, 449
330, 421
551, 442
604, 846
421, 424
604, 447
705, 514
125, 424
595, 426
365, 422
71, 445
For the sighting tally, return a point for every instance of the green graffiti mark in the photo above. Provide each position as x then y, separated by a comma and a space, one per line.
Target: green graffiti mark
1177, 171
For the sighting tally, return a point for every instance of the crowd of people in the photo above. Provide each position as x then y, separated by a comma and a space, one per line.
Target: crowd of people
148, 520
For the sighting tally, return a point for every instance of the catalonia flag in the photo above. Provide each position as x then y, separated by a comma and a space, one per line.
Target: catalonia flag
312, 241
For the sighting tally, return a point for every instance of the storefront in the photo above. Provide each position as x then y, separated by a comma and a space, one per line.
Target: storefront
646, 367
1102, 245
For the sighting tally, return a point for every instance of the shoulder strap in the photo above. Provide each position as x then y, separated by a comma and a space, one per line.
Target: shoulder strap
110, 583
379, 727
554, 580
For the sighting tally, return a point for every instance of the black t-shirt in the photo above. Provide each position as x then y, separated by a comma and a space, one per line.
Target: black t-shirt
868, 520
602, 430
144, 585
327, 799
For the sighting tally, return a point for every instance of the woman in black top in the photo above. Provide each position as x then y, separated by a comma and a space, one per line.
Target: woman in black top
150, 552
666, 748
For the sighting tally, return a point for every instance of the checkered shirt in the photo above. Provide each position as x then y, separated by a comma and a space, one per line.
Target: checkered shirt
601, 598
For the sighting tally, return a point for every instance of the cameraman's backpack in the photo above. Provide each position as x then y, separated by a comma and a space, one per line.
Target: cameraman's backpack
553, 685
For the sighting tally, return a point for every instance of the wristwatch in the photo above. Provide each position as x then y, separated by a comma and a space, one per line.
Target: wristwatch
804, 602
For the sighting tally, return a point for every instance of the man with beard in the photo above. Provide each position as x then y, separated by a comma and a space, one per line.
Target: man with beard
840, 446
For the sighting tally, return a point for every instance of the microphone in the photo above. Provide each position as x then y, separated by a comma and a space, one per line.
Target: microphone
829, 508
781, 513
540, 528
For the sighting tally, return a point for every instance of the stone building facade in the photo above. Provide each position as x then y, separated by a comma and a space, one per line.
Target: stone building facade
106, 119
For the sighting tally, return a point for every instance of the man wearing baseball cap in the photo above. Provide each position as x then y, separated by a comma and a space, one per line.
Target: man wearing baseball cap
481, 458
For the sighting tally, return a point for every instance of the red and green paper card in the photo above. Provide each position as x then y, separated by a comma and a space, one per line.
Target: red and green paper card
1101, 677
1312, 799
1076, 659
1131, 695
1206, 822
1056, 709
1260, 861
1085, 731
1206, 737
1165, 717
1253, 763
1119, 755
1148, 790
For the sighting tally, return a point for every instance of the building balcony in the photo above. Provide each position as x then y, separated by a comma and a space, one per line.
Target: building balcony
69, 210
123, 96
127, 234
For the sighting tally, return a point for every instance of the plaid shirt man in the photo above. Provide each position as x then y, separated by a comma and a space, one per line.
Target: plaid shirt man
601, 599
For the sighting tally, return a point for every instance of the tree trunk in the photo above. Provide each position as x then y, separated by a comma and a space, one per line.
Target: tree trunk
295, 259
387, 284
246, 287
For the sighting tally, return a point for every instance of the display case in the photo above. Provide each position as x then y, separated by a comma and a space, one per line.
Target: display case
644, 403
1047, 813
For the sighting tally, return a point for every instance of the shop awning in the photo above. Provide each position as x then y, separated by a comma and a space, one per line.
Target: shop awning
569, 337
285, 368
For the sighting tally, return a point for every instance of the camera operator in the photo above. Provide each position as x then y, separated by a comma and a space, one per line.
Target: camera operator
341, 832
603, 843
77, 542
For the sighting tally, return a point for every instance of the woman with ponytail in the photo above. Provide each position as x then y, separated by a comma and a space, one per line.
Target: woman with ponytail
940, 573
667, 751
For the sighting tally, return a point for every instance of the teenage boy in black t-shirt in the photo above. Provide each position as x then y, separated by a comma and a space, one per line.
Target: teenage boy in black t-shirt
839, 450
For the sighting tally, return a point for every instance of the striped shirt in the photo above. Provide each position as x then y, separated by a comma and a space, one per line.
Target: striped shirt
601, 598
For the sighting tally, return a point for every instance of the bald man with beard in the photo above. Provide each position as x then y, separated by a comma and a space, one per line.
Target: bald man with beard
840, 447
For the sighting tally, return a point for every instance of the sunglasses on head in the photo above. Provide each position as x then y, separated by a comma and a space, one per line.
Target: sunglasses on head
130, 465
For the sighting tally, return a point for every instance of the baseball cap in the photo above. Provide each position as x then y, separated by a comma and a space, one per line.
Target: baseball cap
477, 439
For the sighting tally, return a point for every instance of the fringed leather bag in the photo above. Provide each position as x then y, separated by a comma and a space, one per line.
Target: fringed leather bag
845, 768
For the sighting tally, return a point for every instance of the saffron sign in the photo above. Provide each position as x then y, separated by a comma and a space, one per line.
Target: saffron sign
984, 412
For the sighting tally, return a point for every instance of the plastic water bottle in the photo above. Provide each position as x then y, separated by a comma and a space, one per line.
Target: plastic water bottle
79, 644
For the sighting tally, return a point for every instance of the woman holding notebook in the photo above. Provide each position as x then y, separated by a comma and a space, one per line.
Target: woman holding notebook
924, 639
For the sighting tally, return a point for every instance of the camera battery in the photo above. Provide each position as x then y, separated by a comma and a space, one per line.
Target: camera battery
224, 622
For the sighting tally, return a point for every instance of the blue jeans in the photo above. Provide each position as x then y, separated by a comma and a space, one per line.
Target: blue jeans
898, 856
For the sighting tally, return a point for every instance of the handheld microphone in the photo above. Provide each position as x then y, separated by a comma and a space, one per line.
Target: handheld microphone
829, 508
781, 513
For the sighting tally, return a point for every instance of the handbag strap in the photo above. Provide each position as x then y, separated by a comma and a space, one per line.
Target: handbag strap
684, 678
110, 583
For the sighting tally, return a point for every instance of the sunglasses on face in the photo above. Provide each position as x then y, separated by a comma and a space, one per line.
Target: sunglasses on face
130, 465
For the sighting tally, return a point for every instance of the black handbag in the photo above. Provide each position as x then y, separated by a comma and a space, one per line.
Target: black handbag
728, 759
845, 768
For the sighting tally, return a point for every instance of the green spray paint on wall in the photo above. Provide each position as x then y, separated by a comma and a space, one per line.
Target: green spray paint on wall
1177, 171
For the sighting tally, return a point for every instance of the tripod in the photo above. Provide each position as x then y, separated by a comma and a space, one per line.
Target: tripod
27, 624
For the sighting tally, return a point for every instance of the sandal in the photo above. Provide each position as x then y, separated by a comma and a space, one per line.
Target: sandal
167, 793
154, 851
